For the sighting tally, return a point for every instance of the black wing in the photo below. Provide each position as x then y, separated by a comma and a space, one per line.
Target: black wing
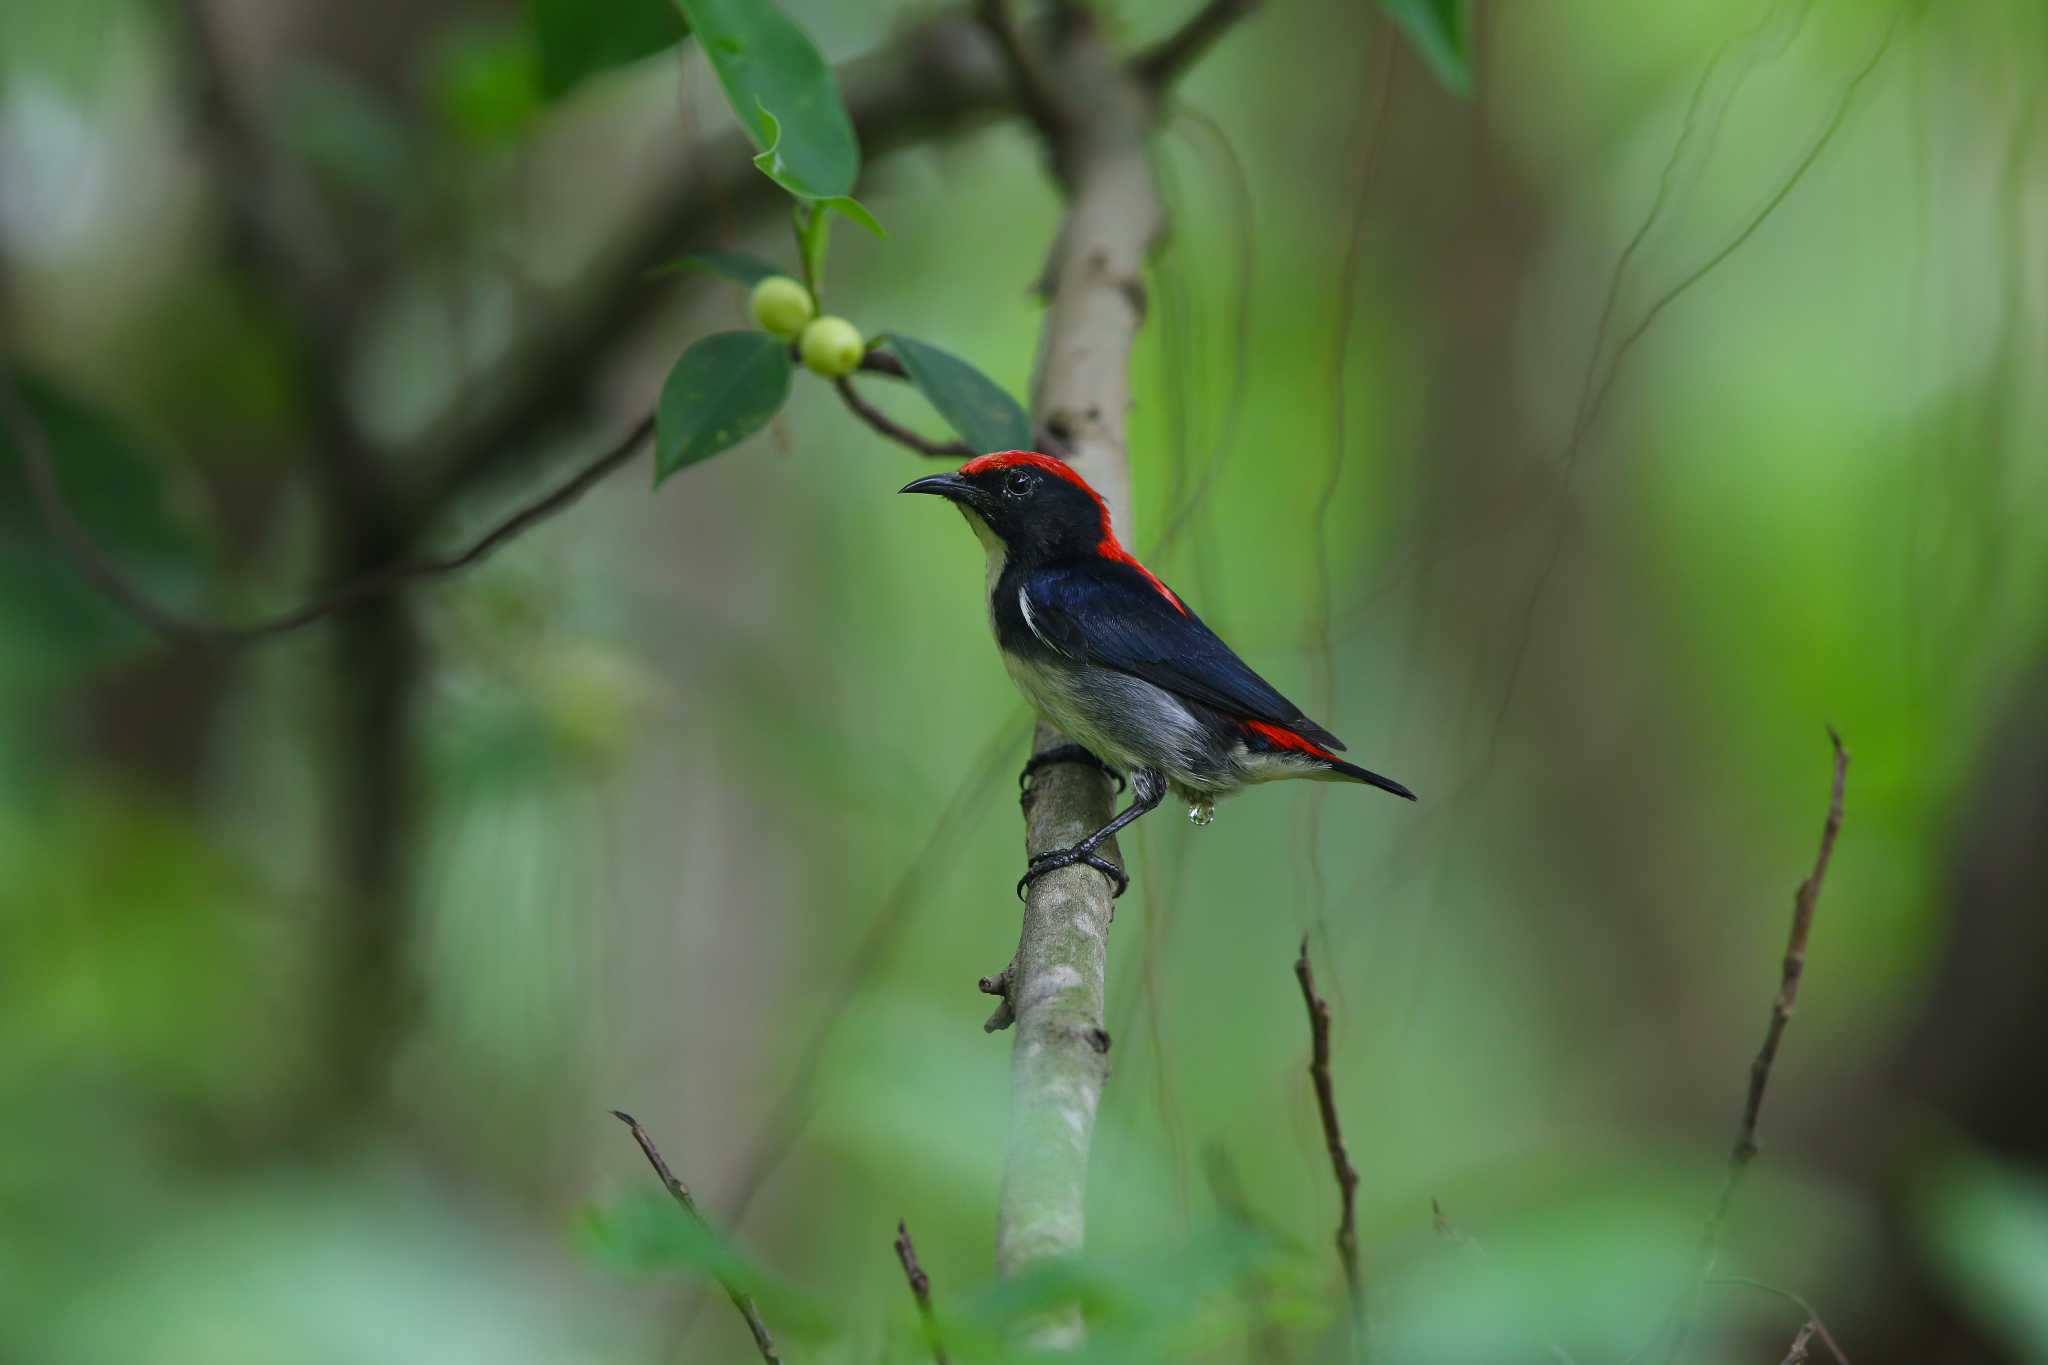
1118, 616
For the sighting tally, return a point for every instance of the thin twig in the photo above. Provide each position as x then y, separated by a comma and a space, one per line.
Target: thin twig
1159, 65
1797, 1355
920, 1289
1820, 1328
1333, 1134
680, 1192
894, 430
100, 570
1804, 902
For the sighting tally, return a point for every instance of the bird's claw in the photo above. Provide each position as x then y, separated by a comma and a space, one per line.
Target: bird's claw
1042, 863
1067, 753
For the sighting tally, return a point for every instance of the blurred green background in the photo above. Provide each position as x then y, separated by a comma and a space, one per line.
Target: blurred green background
322, 960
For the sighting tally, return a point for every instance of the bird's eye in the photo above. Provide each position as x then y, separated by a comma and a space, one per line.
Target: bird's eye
1019, 483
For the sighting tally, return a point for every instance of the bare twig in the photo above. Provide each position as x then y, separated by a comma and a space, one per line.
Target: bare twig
1333, 1134
98, 568
920, 1289
894, 430
1804, 902
999, 986
1159, 65
680, 1192
1820, 1328
1797, 1354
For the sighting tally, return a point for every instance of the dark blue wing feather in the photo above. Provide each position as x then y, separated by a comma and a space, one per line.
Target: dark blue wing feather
1111, 614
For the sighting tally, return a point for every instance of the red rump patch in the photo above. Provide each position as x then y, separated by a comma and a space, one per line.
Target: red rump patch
1109, 547
1287, 739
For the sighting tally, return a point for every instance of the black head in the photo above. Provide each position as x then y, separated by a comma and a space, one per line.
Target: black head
1039, 508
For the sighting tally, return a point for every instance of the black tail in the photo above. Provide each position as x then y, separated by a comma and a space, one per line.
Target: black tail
1371, 779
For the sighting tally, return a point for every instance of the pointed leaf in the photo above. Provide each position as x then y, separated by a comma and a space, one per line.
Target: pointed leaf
723, 390
736, 266
765, 62
52, 619
573, 39
1440, 31
986, 417
771, 164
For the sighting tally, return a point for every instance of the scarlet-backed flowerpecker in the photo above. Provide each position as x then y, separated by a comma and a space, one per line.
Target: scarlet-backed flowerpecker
1115, 659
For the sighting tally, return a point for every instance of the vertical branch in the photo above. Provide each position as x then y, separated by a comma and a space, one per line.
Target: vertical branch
1804, 902
678, 1191
1333, 1137
1094, 287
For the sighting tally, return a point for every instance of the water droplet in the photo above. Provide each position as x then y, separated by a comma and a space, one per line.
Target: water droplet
1202, 812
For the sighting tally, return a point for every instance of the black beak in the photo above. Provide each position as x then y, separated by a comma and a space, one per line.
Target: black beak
946, 486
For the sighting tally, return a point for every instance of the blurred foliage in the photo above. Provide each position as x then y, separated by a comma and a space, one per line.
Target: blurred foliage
1440, 30
714, 816
57, 622
1987, 1228
577, 38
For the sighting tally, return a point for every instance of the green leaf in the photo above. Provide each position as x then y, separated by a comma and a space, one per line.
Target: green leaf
736, 266
986, 417
766, 63
723, 390
51, 618
573, 39
771, 164
1440, 32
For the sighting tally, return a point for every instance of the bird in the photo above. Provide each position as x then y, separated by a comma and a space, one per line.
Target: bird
1113, 657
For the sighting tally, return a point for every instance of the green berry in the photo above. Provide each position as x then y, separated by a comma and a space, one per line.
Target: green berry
782, 305
832, 346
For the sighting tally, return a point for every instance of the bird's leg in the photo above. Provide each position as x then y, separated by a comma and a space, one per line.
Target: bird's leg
1148, 789
1063, 753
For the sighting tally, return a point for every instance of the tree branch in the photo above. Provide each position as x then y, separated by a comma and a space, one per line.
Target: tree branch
920, 1289
680, 1192
1804, 903
98, 568
942, 75
1094, 282
942, 78
894, 430
1160, 65
1027, 79
1333, 1138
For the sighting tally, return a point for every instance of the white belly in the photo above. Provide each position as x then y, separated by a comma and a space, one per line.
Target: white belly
1125, 721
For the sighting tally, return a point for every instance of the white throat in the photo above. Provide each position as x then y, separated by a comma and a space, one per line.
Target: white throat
998, 553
